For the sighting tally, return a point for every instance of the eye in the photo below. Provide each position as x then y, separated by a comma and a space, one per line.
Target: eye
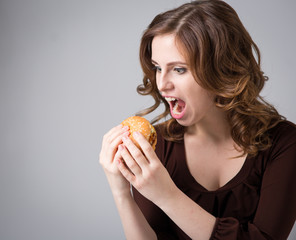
180, 70
157, 68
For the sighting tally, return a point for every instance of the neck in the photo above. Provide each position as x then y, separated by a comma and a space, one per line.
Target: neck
214, 127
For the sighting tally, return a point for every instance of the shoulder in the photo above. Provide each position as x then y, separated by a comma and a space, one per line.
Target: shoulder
285, 124
284, 131
283, 148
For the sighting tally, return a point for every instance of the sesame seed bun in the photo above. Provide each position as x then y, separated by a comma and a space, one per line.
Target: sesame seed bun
142, 125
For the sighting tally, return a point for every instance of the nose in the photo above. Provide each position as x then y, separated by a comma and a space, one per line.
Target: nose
163, 82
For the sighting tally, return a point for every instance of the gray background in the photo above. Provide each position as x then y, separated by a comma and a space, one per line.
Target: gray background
68, 72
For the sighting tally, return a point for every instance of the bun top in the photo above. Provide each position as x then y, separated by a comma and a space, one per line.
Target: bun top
142, 125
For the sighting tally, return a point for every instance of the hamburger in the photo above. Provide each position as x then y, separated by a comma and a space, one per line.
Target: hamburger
142, 125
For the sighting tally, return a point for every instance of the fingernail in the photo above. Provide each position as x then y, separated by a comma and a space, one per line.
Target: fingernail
126, 134
120, 147
125, 128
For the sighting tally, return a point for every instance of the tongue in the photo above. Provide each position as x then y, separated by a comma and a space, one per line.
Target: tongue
178, 107
181, 103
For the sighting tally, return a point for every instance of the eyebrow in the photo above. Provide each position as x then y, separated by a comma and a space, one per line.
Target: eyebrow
171, 63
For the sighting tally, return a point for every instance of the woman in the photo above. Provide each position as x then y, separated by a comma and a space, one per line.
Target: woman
224, 163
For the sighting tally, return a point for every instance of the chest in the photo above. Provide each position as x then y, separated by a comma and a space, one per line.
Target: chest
213, 167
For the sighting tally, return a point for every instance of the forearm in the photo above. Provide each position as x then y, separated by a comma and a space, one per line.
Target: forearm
189, 216
134, 223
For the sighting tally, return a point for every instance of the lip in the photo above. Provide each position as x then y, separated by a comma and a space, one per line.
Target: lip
178, 116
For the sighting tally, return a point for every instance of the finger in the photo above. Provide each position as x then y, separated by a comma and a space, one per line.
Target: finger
146, 147
111, 141
115, 132
125, 171
113, 146
112, 131
135, 152
129, 160
117, 155
118, 140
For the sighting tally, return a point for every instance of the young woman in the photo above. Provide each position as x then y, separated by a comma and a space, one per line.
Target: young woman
224, 165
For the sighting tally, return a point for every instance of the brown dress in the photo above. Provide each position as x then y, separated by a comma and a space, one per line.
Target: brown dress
258, 203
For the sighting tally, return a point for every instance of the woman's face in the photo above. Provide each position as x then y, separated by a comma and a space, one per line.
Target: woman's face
189, 103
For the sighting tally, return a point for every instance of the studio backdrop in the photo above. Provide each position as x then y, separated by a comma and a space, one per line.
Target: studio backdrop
68, 73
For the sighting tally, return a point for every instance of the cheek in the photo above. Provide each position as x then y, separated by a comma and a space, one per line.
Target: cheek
202, 99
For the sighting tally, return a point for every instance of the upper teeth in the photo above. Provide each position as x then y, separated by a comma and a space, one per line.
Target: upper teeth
169, 99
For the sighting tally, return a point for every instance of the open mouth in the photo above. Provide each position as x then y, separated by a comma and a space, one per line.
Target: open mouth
177, 107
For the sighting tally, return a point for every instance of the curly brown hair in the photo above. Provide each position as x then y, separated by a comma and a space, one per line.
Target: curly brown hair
220, 53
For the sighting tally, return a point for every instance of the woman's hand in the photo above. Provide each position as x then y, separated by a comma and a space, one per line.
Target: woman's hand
144, 170
109, 155
146, 173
